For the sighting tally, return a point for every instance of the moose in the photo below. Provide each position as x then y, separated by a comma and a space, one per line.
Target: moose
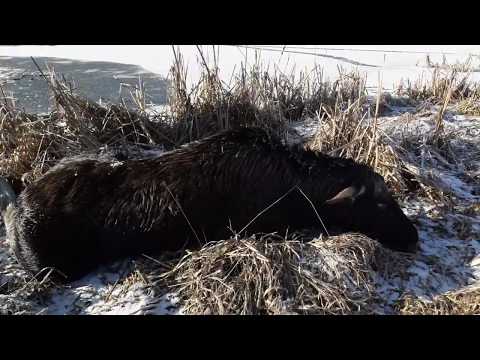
85, 212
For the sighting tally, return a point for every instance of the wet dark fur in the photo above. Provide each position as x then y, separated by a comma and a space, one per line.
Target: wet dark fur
85, 212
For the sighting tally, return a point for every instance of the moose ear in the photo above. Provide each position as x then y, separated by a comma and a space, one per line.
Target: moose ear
348, 194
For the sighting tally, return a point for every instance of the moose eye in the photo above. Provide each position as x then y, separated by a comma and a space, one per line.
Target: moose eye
382, 206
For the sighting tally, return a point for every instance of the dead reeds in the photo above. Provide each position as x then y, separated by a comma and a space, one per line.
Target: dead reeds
448, 83
351, 133
272, 274
461, 302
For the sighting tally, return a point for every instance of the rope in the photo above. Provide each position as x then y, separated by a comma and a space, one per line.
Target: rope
286, 47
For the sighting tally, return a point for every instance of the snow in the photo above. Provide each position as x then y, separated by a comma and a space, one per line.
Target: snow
93, 296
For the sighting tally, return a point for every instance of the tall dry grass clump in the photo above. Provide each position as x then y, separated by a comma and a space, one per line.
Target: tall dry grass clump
467, 65
30, 144
325, 96
353, 133
447, 85
255, 97
461, 302
470, 105
452, 83
272, 274
22, 144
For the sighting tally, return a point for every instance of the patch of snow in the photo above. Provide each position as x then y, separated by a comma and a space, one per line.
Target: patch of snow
116, 163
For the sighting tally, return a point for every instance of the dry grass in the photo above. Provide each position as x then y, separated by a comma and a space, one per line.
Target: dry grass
31, 144
19, 292
470, 105
460, 66
462, 302
452, 83
272, 274
256, 97
351, 133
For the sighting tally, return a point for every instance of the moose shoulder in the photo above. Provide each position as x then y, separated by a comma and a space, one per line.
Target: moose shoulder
85, 212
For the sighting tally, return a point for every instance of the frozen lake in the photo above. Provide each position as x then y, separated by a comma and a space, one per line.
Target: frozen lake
96, 80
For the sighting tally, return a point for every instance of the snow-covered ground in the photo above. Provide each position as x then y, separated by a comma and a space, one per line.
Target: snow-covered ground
111, 290
449, 230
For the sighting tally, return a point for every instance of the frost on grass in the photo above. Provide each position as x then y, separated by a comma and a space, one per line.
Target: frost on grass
272, 274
